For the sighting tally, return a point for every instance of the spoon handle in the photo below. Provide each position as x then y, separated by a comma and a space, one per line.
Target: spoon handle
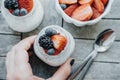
85, 69
81, 66
77, 71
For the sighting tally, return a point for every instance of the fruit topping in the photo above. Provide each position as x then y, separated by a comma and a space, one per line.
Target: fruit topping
51, 51
86, 1
59, 42
19, 7
52, 42
81, 10
83, 13
16, 12
67, 1
50, 32
63, 6
70, 9
11, 4
23, 11
96, 14
104, 1
98, 5
27, 4
46, 42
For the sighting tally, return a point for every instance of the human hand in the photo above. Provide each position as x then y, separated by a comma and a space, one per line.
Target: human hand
18, 67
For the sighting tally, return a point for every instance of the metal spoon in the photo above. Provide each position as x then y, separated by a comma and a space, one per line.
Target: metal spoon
102, 44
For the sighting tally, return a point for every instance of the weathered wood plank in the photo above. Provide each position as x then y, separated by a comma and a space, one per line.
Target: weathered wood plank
91, 32
98, 70
43, 70
102, 71
2, 68
6, 43
4, 28
84, 47
40, 68
51, 17
114, 10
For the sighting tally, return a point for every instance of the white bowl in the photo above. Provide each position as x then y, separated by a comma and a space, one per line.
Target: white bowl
59, 59
82, 23
24, 23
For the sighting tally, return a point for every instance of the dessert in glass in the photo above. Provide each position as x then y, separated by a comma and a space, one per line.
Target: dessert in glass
22, 15
54, 45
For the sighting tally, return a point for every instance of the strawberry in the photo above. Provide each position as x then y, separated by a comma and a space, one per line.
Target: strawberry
104, 2
98, 5
56, 52
27, 4
10, 10
70, 9
96, 14
67, 1
83, 13
59, 42
86, 1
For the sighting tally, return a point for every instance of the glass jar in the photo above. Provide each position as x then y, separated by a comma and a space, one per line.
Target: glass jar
24, 23
55, 60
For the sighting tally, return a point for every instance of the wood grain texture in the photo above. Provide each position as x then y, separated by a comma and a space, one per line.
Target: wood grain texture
102, 71
51, 17
6, 43
4, 27
84, 47
114, 10
98, 70
2, 68
91, 32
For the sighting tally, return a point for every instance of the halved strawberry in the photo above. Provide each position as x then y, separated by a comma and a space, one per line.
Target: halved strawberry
67, 1
98, 5
105, 2
86, 1
59, 42
83, 13
96, 14
27, 4
70, 9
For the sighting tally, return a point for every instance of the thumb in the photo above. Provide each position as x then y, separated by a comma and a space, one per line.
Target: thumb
63, 72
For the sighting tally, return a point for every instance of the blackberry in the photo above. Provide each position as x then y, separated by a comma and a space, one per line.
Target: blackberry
46, 42
11, 4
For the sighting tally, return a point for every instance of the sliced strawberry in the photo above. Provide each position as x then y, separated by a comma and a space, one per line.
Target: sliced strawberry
96, 14
86, 1
67, 1
70, 9
83, 13
105, 2
59, 42
27, 4
98, 5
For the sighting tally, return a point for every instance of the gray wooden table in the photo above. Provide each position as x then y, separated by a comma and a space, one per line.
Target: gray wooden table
106, 65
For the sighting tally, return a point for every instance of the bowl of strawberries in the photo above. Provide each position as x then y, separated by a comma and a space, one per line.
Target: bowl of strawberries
83, 12
22, 15
54, 45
